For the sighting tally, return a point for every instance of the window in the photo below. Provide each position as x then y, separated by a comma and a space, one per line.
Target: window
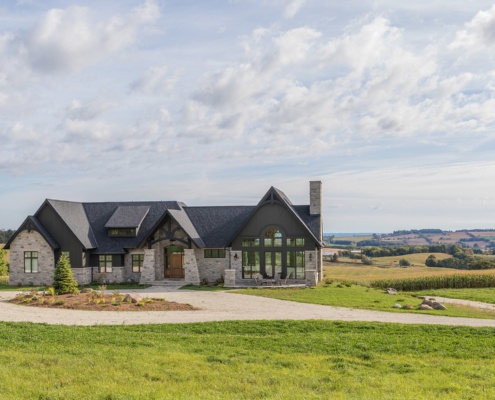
295, 264
137, 262
295, 242
273, 238
122, 232
250, 264
31, 262
105, 262
214, 253
252, 242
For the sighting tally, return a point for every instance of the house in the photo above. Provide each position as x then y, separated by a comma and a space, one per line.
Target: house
156, 241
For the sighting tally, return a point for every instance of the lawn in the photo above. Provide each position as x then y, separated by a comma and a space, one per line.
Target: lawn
361, 297
247, 360
485, 295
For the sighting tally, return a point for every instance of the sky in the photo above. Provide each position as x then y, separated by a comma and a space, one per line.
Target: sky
390, 104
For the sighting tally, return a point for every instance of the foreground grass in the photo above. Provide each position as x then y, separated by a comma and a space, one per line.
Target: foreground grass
247, 360
364, 298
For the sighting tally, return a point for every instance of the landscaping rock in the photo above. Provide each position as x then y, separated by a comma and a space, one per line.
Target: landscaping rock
438, 306
133, 297
407, 307
425, 307
397, 305
87, 290
391, 290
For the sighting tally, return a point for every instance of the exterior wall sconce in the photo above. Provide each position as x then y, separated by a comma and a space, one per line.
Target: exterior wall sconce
235, 256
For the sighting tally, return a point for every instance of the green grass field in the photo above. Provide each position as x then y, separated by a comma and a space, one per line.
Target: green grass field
485, 295
247, 360
361, 297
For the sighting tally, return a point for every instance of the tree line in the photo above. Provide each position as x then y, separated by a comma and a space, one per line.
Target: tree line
5, 235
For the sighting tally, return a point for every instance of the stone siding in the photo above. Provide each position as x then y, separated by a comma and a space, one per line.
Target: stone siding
211, 268
311, 267
148, 270
82, 275
31, 241
116, 276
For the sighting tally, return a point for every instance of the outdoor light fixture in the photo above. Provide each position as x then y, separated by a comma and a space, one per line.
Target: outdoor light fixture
235, 256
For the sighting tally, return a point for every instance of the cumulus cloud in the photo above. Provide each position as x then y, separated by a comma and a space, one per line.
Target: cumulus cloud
479, 33
293, 7
69, 39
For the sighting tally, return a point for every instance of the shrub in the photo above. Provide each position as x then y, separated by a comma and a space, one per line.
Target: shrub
431, 261
64, 281
4, 265
404, 262
366, 261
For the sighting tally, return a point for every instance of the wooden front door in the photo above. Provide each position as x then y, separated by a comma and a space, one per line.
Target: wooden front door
174, 264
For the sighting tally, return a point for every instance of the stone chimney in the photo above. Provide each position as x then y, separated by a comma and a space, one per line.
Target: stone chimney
315, 198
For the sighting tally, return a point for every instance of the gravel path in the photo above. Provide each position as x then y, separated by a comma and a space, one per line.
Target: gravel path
217, 306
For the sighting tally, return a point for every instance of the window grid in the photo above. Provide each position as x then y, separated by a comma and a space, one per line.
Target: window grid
137, 262
31, 262
105, 262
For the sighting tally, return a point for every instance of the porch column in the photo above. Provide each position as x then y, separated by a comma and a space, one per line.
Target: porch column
148, 269
311, 267
191, 272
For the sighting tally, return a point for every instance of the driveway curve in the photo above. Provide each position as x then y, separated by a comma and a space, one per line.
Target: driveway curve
218, 306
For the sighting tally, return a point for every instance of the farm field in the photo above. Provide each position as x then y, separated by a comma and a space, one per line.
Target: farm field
387, 267
247, 360
485, 295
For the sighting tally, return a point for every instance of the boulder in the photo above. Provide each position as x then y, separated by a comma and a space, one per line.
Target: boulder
391, 290
87, 290
407, 307
438, 306
425, 307
133, 297
428, 302
397, 305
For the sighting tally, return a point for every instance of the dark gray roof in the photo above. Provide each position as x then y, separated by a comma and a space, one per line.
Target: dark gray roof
127, 217
74, 216
312, 221
99, 213
33, 223
217, 225
183, 220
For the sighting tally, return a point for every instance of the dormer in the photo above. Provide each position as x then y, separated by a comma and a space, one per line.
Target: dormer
126, 221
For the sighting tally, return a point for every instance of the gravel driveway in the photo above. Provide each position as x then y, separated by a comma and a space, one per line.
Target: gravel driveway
217, 306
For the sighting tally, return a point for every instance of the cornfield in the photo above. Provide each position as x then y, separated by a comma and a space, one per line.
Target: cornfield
437, 282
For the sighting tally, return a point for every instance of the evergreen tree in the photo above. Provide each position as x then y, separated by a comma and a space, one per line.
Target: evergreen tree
63, 281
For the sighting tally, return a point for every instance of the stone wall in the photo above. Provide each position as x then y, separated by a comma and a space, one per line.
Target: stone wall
116, 276
31, 241
211, 268
82, 275
148, 270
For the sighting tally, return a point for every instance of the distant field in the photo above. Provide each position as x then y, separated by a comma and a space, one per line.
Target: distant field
353, 238
361, 273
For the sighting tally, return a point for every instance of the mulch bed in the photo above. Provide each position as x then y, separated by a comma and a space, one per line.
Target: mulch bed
97, 301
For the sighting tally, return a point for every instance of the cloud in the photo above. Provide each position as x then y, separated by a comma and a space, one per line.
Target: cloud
293, 7
155, 81
479, 33
70, 39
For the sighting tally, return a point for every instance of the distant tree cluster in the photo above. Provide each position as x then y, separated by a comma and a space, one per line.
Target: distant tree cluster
375, 251
5, 235
4, 265
417, 232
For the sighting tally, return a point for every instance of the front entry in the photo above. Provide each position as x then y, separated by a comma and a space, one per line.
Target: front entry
174, 262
